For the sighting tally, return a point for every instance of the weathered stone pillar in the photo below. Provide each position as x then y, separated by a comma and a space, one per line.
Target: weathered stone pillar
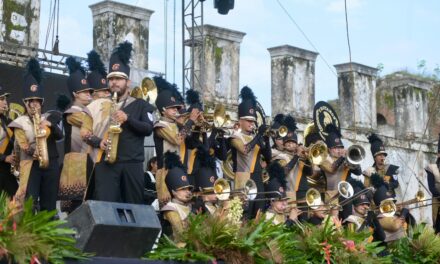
357, 95
410, 106
220, 76
115, 22
293, 81
20, 23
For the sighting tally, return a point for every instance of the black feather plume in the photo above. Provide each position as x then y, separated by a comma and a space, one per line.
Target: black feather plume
376, 180
330, 128
124, 51
275, 170
95, 63
177, 94
204, 158
356, 184
161, 83
373, 138
290, 123
279, 119
247, 94
63, 101
73, 65
33, 68
192, 97
172, 160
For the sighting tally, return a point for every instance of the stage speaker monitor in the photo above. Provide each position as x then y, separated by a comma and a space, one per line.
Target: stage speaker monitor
115, 229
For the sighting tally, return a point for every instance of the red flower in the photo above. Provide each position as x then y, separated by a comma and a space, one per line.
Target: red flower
14, 226
349, 245
327, 252
34, 260
1, 227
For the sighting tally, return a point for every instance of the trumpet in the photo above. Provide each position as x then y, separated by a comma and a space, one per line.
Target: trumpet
317, 153
355, 155
281, 131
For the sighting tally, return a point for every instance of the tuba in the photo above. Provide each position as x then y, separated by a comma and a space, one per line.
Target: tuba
40, 139
113, 131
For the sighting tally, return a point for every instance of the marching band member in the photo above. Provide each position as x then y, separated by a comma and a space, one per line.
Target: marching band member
247, 148
167, 134
388, 172
278, 211
362, 218
278, 143
8, 182
433, 177
335, 167
119, 169
77, 165
205, 177
39, 169
97, 76
297, 167
393, 225
177, 210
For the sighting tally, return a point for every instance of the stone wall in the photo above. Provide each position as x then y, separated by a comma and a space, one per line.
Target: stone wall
20, 24
115, 22
292, 80
221, 67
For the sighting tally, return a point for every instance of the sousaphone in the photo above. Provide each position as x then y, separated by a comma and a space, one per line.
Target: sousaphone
323, 115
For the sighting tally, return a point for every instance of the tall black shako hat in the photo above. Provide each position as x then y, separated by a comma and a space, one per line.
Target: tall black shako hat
193, 100
377, 146
76, 82
3, 92
97, 75
206, 174
334, 136
278, 121
382, 191
276, 187
32, 88
290, 123
168, 95
358, 186
119, 61
247, 107
176, 177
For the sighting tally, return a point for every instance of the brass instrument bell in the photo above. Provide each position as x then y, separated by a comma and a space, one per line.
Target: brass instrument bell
355, 155
387, 208
318, 153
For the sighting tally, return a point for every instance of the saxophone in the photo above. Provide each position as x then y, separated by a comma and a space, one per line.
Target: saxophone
15, 165
113, 132
40, 140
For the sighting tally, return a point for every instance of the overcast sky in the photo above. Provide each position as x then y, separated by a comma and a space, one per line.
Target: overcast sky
395, 33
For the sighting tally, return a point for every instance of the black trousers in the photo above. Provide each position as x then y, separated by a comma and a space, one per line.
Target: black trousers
119, 182
43, 185
8, 182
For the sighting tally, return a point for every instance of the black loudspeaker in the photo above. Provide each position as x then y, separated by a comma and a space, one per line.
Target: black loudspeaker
115, 229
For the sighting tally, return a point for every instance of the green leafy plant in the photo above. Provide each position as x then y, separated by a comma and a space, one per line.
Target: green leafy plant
26, 235
421, 245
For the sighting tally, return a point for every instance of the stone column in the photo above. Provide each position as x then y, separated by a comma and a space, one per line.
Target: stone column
220, 75
293, 81
410, 106
115, 22
20, 23
357, 95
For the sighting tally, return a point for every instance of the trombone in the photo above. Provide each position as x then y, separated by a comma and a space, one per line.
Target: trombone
389, 208
222, 189
313, 199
